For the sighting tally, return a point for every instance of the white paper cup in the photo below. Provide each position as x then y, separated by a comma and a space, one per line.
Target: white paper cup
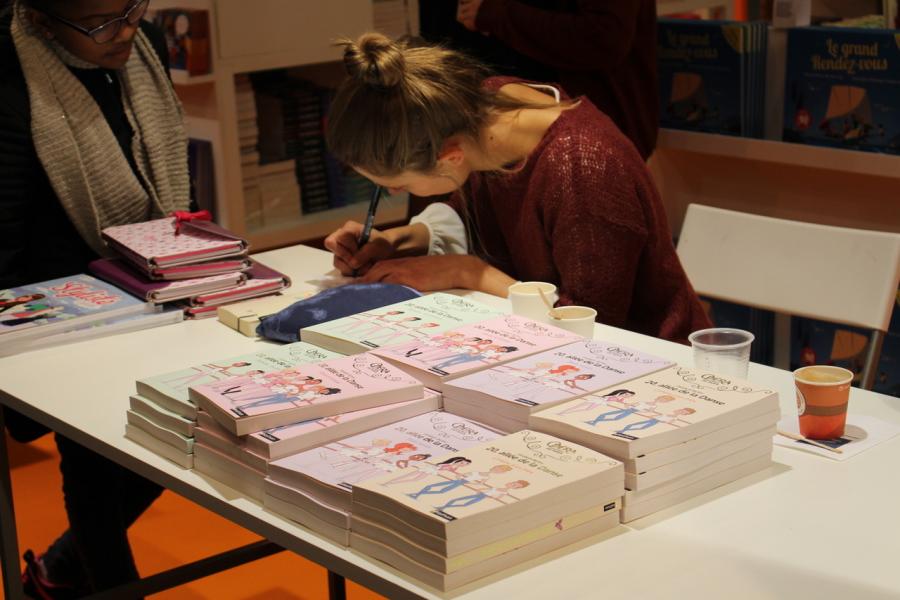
722, 350
526, 299
577, 319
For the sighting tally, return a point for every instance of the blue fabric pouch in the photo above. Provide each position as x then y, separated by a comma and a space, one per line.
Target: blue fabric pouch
329, 305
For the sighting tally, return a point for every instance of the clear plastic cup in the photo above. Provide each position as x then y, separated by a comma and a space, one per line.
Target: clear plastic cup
722, 350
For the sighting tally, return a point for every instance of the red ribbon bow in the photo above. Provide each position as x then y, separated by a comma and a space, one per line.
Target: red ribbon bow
182, 216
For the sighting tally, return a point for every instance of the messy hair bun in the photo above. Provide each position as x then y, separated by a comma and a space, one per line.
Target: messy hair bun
375, 60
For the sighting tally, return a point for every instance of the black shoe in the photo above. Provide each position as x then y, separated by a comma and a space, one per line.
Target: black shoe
36, 584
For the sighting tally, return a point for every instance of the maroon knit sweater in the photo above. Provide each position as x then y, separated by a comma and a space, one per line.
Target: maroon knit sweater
584, 214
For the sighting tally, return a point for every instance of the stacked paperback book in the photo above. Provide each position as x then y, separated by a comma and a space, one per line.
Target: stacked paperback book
505, 501
414, 321
313, 487
712, 76
162, 417
680, 433
194, 261
505, 396
70, 309
474, 347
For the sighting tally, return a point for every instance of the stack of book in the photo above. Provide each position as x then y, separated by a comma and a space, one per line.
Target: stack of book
195, 261
416, 321
712, 75
248, 136
279, 191
313, 487
242, 461
507, 501
506, 396
842, 88
70, 309
474, 347
680, 433
162, 417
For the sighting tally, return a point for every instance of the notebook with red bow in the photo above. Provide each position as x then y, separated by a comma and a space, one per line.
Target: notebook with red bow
178, 247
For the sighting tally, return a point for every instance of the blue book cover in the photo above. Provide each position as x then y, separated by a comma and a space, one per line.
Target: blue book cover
701, 70
34, 310
842, 88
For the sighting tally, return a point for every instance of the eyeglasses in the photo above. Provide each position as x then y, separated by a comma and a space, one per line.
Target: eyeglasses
109, 30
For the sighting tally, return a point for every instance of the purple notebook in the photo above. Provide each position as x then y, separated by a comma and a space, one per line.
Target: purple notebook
119, 272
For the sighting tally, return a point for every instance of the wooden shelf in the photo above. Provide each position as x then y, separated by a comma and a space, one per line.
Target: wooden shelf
180, 77
784, 153
668, 7
320, 224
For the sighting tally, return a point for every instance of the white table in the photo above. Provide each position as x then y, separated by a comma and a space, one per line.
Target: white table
805, 527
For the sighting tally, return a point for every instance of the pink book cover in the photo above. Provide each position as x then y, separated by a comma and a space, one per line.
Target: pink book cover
415, 441
305, 428
563, 373
154, 244
310, 386
479, 345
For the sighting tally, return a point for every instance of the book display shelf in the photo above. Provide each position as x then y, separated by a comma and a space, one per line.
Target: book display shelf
826, 185
251, 37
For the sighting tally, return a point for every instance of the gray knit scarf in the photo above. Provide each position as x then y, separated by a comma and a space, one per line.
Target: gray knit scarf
78, 150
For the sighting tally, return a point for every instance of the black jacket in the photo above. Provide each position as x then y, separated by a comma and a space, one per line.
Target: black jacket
37, 240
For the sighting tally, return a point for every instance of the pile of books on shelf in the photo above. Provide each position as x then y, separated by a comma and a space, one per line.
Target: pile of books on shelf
712, 76
842, 88
680, 433
163, 417
248, 136
290, 117
69, 309
194, 262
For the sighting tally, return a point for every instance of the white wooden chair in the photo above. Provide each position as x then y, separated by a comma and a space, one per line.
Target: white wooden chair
836, 274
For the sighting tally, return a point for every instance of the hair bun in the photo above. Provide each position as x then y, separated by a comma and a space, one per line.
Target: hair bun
376, 60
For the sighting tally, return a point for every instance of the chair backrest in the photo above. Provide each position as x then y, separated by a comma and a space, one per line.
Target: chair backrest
835, 274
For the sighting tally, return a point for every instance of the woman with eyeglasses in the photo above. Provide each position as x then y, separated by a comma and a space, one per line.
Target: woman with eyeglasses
91, 135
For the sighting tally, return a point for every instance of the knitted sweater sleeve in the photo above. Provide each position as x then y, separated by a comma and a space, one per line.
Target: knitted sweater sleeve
596, 228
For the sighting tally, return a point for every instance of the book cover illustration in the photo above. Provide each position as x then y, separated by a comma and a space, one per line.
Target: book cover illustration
405, 322
672, 399
492, 475
842, 88
565, 372
64, 299
480, 345
304, 386
710, 75
176, 383
415, 441
155, 242
310, 426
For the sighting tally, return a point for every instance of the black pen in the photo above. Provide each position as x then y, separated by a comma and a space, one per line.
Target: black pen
370, 220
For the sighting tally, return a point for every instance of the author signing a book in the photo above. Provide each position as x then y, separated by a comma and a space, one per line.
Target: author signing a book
91, 136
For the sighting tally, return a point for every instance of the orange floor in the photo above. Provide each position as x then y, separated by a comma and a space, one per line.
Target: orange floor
172, 532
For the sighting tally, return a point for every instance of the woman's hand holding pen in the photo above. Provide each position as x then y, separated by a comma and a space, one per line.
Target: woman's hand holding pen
349, 257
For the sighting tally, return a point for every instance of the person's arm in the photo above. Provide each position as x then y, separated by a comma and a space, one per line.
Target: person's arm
18, 166
597, 36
